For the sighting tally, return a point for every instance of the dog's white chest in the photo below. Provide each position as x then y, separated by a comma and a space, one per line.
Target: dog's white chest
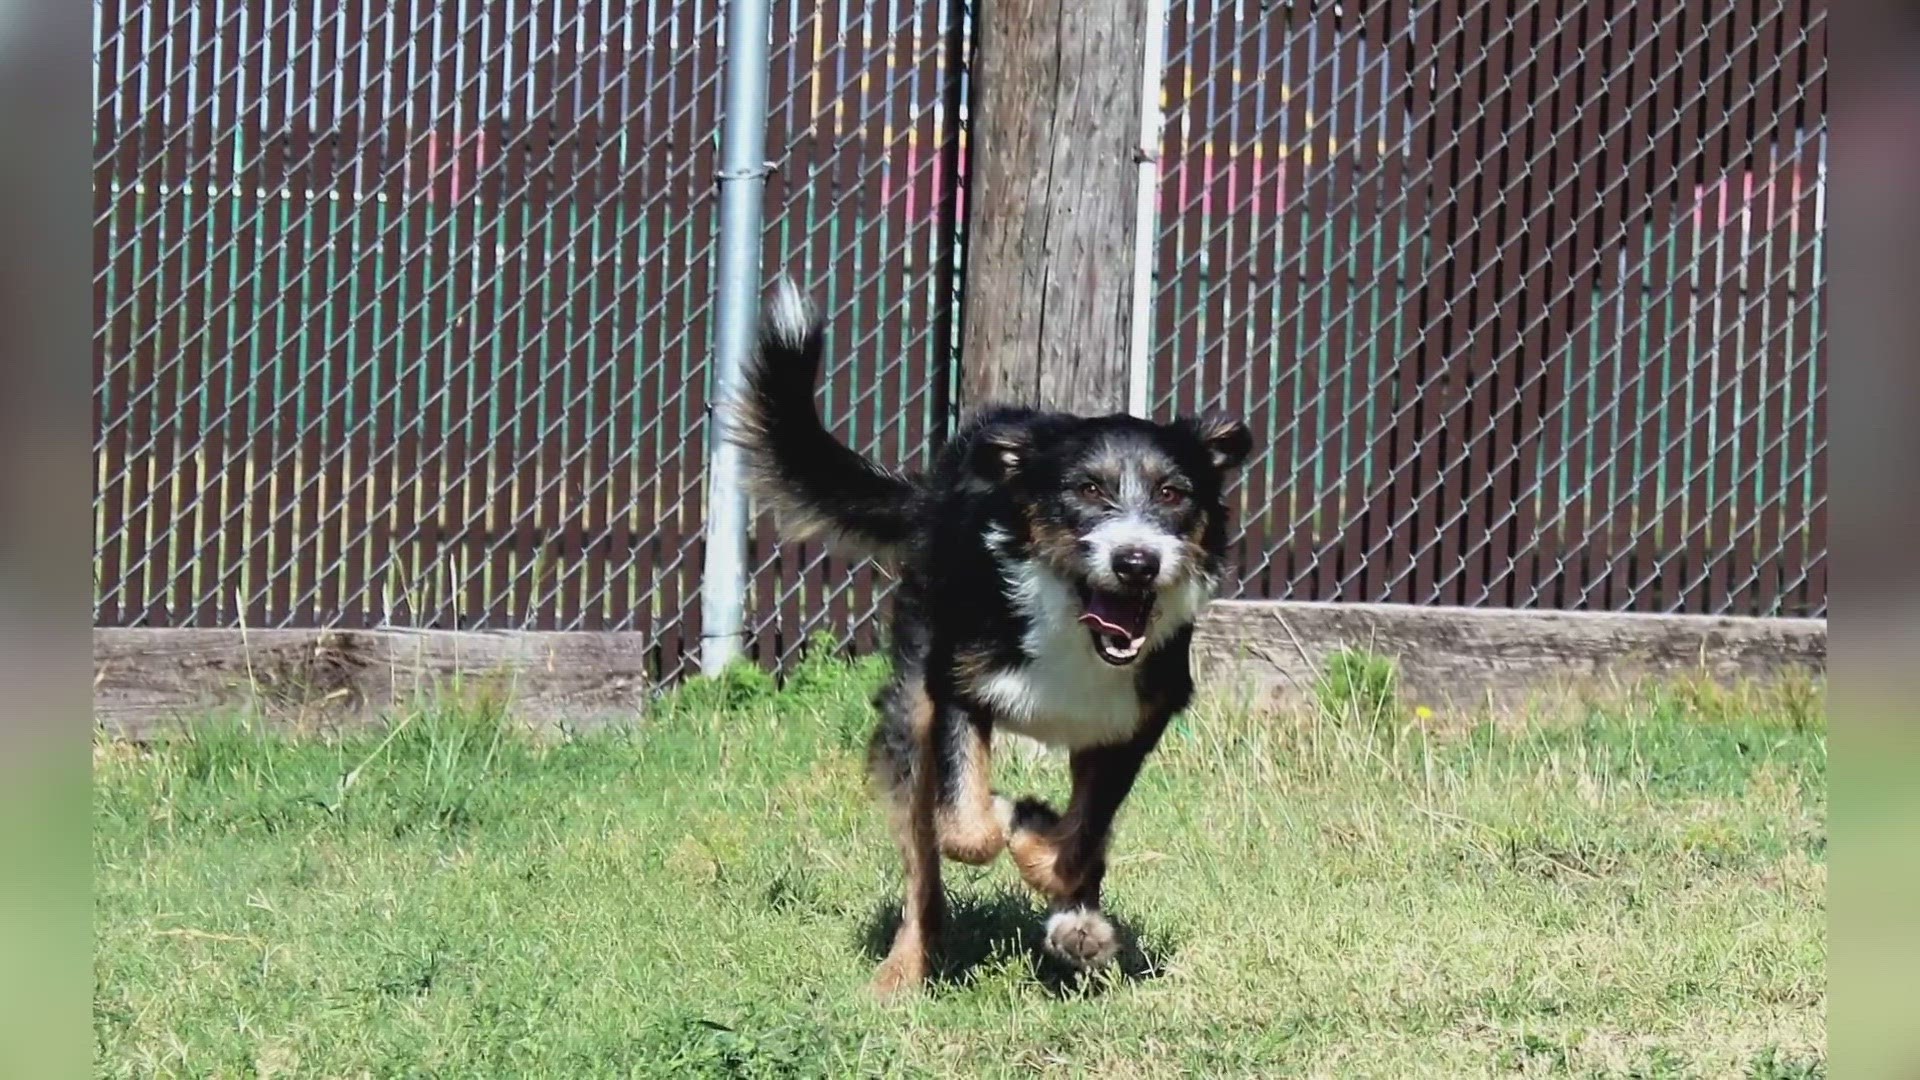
1064, 695
1064, 699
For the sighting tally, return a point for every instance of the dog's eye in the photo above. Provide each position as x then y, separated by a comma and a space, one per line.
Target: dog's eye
1171, 496
1091, 490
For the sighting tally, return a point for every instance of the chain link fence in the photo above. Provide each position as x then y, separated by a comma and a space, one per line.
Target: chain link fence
1526, 296
403, 310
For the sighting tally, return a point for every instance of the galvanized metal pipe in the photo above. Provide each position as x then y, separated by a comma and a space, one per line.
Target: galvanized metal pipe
1146, 218
743, 172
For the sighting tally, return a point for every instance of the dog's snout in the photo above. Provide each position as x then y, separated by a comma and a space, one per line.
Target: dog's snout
1136, 566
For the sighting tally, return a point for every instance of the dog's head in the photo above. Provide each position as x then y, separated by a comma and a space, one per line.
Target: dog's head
1127, 512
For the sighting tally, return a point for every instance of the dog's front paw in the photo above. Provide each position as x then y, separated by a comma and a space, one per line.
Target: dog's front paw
1082, 937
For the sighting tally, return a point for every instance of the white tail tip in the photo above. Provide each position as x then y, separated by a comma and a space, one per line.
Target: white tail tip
789, 316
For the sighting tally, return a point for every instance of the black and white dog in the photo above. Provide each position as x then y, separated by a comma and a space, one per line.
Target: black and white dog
1050, 569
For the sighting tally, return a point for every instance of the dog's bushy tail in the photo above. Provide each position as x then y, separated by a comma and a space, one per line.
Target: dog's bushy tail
816, 486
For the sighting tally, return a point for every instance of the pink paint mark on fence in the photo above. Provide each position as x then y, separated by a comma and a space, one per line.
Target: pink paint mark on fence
458, 175
1753, 191
913, 163
1223, 187
1236, 184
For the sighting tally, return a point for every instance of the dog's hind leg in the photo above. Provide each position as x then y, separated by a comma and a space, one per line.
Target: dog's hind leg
1063, 857
904, 758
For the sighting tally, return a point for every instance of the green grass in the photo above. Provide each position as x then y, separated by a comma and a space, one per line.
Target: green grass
1634, 889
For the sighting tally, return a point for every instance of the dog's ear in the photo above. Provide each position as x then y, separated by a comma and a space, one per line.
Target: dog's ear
1226, 437
999, 452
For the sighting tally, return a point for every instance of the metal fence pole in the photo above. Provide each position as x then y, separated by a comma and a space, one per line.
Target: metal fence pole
1146, 221
743, 171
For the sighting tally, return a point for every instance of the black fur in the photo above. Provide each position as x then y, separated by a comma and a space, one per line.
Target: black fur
798, 464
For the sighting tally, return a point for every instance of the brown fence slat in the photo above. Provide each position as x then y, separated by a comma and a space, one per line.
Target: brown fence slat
1547, 193
455, 134
1408, 171
1751, 126
1637, 553
1802, 383
827, 584
193, 523
320, 471
1597, 329
165, 179
1481, 335
567, 482
1318, 255
593, 325
668, 308
1730, 349
1817, 515
1300, 388
378, 184
261, 241
116, 171
1366, 341
867, 341
620, 321
1263, 481
499, 370
1495, 547
1773, 162
529, 96
1668, 297
1715, 294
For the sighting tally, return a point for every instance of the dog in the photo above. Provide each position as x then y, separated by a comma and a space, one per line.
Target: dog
1050, 568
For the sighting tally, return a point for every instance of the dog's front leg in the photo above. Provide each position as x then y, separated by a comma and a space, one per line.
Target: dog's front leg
1064, 856
966, 816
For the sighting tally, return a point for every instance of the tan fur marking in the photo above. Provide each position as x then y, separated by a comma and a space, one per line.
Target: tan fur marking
924, 907
969, 668
1052, 545
1038, 855
1195, 538
969, 831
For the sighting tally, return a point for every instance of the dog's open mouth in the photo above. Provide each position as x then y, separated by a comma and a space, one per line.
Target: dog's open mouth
1118, 623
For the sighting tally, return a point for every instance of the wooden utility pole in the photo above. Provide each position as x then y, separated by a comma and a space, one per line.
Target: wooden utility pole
1049, 263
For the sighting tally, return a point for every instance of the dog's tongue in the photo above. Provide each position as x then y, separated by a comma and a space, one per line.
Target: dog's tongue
1124, 616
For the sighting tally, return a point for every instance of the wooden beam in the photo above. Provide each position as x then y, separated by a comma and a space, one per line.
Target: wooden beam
145, 681
1273, 651
1266, 652
1055, 115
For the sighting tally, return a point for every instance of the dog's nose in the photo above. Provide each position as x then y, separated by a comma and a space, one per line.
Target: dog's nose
1136, 566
